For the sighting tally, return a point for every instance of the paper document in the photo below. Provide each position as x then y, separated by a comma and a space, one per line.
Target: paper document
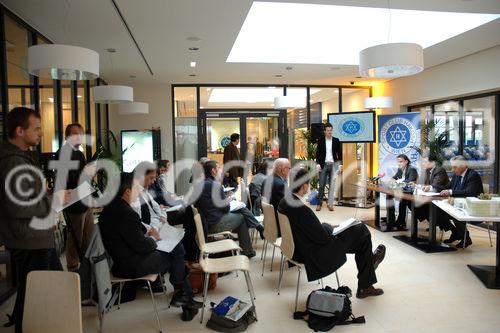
345, 225
228, 189
174, 208
428, 194
170, 237
80, 192
236, 205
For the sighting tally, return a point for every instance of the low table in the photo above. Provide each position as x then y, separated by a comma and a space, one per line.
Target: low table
489, 275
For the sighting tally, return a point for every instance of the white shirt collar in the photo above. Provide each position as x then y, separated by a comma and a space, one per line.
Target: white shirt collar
463, 173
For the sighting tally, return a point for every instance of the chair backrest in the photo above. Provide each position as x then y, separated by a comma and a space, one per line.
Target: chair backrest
200, 235
52, 303
248, 199
270, 223
287, 243
486, 188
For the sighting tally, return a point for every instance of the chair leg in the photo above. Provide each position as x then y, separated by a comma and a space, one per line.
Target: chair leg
442, 234
163, 286
489, 235
465, 235
233, 253
205, 290
282, 268
252, 293
263, 246
272, 258
120, 295
322, 284
297, 291
154, 306
101, 321
337, 276
264, 252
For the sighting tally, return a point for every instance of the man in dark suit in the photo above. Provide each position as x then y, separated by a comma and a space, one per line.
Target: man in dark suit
464, 183
323, 253
273, 188
133, 249
329, 159
408, 174
214, 207
232, 153
434, 175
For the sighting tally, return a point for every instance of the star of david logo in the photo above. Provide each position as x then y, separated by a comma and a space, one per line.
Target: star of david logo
398, 136
351, 127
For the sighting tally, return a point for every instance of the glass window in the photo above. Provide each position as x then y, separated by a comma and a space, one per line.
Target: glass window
479, 140
67, 102
323, 101
185, 132
447, 118
354, 99
50, 141
80, 95
297, 126
239, 97
93, 120
104, 125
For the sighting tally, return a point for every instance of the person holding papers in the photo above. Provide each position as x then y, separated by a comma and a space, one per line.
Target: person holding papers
215, 209
79, 217
134, 250
320, 250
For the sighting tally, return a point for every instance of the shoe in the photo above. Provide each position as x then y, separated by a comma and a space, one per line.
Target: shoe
468, 242
318, 208
251, 254
260, 229
378, 255
188, 313
370, 291
453, 238
155, 287
330, 208
180, 299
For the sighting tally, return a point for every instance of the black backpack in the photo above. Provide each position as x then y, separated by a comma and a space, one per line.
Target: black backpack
222, 324
328, 307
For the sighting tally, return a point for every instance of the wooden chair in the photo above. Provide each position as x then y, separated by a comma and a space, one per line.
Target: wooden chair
270, 232
213, 247
52, 303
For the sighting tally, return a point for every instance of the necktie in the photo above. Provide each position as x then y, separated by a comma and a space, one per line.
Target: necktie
145, 214
458, 184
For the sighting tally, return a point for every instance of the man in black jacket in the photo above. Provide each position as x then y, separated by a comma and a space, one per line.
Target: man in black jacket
408, 174
133, 249
329, 159
22, 199
79, 217
273, 187
323, 253
464, 183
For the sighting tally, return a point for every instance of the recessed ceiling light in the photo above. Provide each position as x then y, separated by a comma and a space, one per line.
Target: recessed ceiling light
78, 96
260, 31
194, 48
132, 76
193, 75
111, 50
193, 39
279, 75
192, 64
335, 68
358, 77
289, 68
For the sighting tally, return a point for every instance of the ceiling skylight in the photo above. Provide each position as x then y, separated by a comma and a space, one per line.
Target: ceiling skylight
327, 34
254, 95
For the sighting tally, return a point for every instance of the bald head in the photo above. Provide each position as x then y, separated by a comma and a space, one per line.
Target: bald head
282, 167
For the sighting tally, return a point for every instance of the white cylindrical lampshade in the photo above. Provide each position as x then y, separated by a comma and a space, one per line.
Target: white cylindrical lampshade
391, 60
289, 102
113, 94
380, 102
133, 108
63, 62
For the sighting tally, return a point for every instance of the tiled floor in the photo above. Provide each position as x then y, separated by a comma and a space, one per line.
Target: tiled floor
423, 293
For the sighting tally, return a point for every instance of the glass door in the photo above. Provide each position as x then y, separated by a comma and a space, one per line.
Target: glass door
263, 140
218, 132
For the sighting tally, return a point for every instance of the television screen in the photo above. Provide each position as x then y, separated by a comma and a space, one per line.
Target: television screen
353, 126
137, 146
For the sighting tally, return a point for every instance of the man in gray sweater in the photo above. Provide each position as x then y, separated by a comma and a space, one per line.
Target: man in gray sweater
23, 197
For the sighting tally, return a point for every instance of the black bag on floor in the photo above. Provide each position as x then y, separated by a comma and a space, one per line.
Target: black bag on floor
222, 324
328, 307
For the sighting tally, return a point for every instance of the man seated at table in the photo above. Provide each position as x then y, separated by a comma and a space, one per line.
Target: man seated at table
133, 249
434, 176
465, 182
408, 174
273, 188
154, 214
214, 207
323, 253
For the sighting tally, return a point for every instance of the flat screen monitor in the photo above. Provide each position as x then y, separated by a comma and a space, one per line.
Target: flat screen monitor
137, 146
353, 126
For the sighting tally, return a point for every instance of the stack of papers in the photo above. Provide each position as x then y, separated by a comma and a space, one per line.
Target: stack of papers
80, 192
236, 205
345, 225
174, 208
427, 194
170, 237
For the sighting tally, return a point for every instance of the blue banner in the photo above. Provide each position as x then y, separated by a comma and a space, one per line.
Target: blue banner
397, 134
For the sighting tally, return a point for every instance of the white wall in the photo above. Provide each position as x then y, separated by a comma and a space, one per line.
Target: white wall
472, 74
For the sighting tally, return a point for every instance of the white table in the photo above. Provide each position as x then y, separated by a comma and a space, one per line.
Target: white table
489, 275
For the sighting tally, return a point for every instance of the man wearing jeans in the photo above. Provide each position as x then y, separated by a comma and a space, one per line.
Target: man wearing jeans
215, 210
329, 159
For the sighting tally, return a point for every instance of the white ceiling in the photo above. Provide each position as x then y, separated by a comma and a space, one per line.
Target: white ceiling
161, 28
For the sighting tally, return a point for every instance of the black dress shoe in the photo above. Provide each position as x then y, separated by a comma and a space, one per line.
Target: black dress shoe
468, 242
260, 229
370, 291
453, 238
180, 299
378, 255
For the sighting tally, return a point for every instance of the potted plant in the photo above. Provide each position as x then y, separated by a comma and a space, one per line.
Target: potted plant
433, 143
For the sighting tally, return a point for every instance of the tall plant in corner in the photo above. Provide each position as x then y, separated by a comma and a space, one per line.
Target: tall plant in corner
310, 157
433, 142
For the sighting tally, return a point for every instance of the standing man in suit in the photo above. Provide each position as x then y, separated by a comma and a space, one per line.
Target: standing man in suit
273, 188
232, 153
465, 183
434, 176
409, 174
329, 159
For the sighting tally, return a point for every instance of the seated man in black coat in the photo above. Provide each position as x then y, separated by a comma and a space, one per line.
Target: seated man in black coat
133, 250
408, 174
273, 188
465, 183
323, 253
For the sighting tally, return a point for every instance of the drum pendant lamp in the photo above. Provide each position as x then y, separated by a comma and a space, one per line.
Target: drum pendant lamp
113, 94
